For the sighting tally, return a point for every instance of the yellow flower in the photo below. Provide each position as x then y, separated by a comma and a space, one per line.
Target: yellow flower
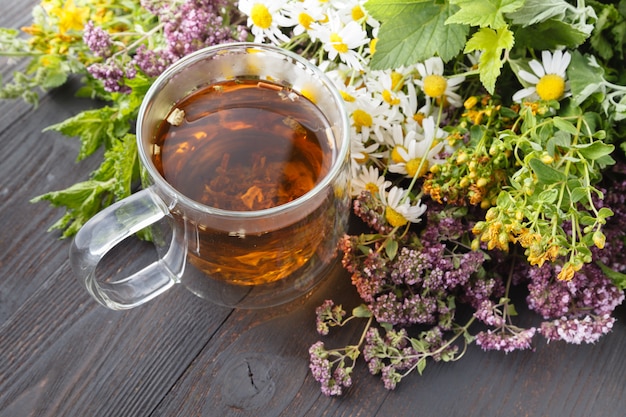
70, 17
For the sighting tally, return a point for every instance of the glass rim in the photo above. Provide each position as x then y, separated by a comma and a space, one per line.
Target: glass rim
188, 60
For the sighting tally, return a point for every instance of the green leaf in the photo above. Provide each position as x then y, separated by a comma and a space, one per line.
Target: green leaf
585, 76
82, 201
564, 125
549, 35
618, 278
361, 311
546, 174
537, 11
391, 248
415, 32
93, 127
492, 43
484, 13
421, 365
595, 150
388, 9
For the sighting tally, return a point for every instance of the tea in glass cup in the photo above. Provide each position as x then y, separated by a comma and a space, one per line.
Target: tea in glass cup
244, 150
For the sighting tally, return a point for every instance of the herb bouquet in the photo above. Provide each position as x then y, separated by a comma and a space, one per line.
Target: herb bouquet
487, 153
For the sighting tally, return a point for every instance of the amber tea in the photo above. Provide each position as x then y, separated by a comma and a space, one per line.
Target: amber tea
247, 145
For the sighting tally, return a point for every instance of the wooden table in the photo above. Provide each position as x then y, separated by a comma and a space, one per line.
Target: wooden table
62, 354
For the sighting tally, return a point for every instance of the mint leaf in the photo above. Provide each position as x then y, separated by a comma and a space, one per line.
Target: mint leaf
484, 13
81, 201
492, 43
121, 163
415, 32
113, 180
93, 127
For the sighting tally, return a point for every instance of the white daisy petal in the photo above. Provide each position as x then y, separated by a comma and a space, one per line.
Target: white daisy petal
537, 68
523, 93
528, 77
546, 59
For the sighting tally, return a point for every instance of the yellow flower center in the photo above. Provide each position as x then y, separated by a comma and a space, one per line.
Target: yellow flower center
551, 87
372, 188
394, 218
397, 81
395, 154
337, 42
305, 20
373, 43
261, 16
357, 13
362, 119
389, 98
414, 164
347, 97
435, 85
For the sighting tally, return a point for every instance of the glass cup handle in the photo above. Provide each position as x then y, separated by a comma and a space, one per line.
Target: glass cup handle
109, 228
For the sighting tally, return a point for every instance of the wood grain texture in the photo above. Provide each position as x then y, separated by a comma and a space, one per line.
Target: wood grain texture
61, 354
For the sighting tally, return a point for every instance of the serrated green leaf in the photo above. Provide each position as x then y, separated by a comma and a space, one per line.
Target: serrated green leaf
484, 13
546, 174
93, 127
387, 9
417, 33
492, 43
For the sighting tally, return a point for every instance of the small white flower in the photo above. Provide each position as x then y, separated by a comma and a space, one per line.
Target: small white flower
265, 19
421, 153
363, 150
435, 85
302, 14
398, 208
341, 40
369, 179
391, 86
549, 81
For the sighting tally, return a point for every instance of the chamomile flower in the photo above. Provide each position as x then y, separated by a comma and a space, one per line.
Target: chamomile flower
549, 81
362, 149
398, 208
369, 114
354, 10
390, 85
435, 85
341, 40
265, 19
302, 14
420, 154
369, 179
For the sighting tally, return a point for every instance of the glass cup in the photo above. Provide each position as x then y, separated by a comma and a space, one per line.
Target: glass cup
248, 258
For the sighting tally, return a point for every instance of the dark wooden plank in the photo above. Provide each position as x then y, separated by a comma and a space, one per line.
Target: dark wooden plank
64, 355
258, 365
36, 163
